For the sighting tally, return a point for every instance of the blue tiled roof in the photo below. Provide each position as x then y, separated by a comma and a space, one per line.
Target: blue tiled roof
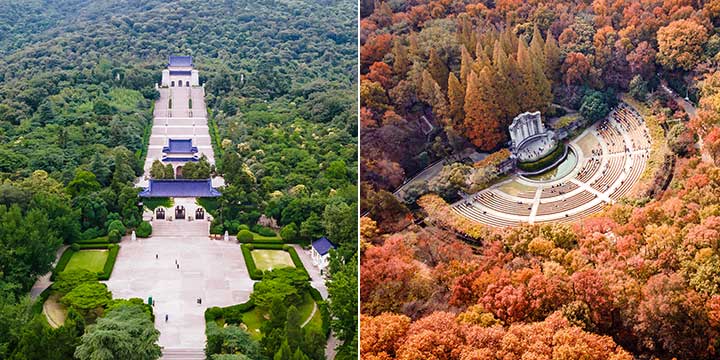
323, 245
180, 188
181, 72
180, 159
180, 60
180, 146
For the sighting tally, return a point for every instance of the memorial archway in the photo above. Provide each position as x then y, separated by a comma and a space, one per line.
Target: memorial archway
160, 213
199, 214
178, 172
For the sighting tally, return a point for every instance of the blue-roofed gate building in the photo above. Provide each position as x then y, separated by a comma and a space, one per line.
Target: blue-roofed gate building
179, 133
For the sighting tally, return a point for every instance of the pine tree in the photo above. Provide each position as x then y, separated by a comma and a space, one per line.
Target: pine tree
401, 64
293, 331
456, 100
284, 353
482, 111
438, 69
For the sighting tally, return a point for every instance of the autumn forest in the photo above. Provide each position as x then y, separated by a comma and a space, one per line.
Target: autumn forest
442, 79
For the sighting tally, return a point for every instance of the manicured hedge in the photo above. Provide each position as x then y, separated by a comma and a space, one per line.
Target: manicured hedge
254, 272
231, 314
110, 263
263, 241
245, 236
114, 249
323, 307
544, 162
96, 241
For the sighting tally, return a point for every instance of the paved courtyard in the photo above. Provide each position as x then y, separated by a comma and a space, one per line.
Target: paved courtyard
213, 270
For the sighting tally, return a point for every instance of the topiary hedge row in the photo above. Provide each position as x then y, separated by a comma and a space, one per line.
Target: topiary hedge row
546, 161
113, 250
96, 241
257, 274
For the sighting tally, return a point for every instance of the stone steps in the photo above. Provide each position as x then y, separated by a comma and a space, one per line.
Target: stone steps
183, 354
180, 228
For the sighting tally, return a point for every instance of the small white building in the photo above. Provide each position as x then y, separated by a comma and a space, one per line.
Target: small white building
180, 73
320, 252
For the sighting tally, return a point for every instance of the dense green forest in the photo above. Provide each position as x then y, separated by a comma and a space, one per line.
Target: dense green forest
77, 84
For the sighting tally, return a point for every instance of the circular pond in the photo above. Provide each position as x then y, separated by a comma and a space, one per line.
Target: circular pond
559, 171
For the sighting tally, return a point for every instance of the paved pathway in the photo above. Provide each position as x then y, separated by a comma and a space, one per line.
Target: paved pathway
213, 270
692, 113
44, 282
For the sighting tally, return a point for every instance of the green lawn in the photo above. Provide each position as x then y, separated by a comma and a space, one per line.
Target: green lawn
271, 259
254, 318
91, 260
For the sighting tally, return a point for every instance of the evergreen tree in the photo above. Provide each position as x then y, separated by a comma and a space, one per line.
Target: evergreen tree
293, 331
284, 352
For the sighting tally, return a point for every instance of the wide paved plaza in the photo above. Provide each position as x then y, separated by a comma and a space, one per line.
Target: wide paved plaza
213, 270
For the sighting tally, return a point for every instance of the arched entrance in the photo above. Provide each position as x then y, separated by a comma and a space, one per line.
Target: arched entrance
180, 212
160, 213
180, 83
199, 214
172, 84
178, 172
187, 83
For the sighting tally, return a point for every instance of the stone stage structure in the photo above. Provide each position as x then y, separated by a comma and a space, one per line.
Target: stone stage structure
530, 140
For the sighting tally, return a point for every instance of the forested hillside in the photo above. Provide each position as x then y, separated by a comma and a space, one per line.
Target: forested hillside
637, 281
76, 94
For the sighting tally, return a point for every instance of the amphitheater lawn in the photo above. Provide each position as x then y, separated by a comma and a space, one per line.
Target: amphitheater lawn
271, 259
90, 260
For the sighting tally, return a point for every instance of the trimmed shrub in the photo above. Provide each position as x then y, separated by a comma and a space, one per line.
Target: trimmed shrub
114, 236
243, 227
289, 233
264, 231
75, 247
117, 225
144, 230
245, 236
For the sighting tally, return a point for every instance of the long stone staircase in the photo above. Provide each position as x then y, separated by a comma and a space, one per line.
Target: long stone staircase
183, 354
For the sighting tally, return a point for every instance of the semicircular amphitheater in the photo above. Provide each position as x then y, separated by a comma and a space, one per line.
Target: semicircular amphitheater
602, 165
